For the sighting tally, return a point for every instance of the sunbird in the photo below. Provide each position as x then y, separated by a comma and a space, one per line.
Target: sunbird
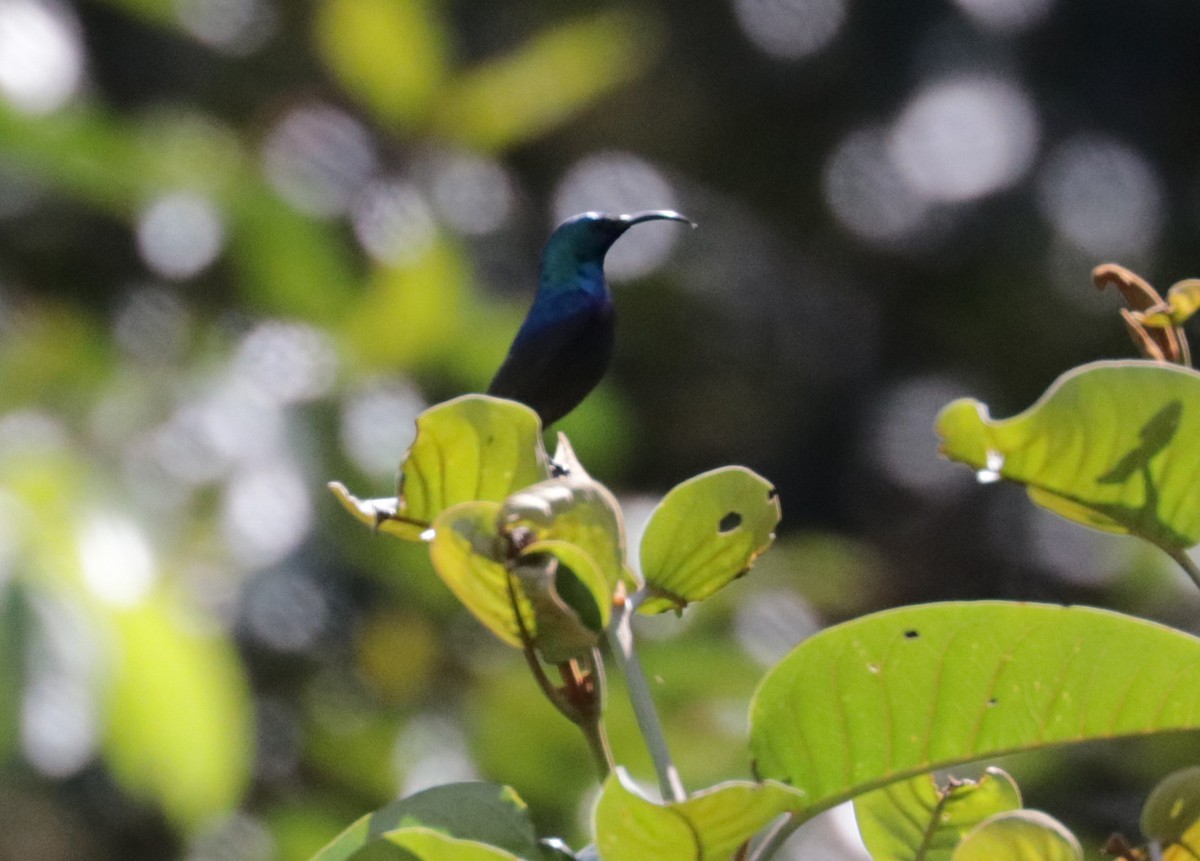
565, 344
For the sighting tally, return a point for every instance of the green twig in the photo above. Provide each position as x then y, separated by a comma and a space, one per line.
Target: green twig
620, 638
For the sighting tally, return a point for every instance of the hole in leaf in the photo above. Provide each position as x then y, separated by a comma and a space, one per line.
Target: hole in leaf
992, 702
911, 634
729, 522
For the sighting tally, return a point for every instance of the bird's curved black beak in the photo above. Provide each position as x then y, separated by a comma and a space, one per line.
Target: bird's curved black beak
655, 215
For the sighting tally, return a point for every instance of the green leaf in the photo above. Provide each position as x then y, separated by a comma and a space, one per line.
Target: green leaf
390, 54
573, 508
706, 532
708, 826
1173, 806
1109, 445
1021, 835
426, 844
557, 74
468, 553
178, 722
565, 601
485, 813
894, 694
470, 449
917, 820
570, 598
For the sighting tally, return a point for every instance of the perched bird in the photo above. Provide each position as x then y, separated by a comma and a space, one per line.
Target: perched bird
565, 344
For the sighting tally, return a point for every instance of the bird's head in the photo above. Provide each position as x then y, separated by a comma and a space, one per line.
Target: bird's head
586, 238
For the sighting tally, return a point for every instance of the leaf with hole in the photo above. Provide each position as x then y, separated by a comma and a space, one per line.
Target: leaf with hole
470, 449
1020, 835
708, 826
1110, 445
705, 533
918, 820
916, 689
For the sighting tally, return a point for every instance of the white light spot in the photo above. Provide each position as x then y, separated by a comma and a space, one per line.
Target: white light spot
180, 235
286, 362
393, 223
1083, 557
238, 27
117, 563
431, 751
866, 192
237, 837
41, 54
472, 194
29, 433
619, 183
769, 624
319, 158
962, 139
378, 425
832, 834
904, 444
59, 715
790, 29
267, 513
152, 326
990, 474
285, 610
1006, 16
1102, 196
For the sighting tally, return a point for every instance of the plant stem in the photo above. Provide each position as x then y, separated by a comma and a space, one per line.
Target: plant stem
775, 838
620, 638
584, 689
1185, 562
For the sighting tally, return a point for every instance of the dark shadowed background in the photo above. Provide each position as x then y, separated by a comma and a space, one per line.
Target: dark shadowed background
244, 242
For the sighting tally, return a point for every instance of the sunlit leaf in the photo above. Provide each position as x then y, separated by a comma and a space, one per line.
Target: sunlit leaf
912, 690
1186, 847
486, 813
1021, 835
917, 819
564, 600
1183, 300
472, 448
708, 826
468, 553
426, 844
390, 54
573, 508
1173, 806
1110, 445
706, 532
545, 82
178, 713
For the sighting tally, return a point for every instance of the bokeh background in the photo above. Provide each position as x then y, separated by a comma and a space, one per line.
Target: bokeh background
244, 242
